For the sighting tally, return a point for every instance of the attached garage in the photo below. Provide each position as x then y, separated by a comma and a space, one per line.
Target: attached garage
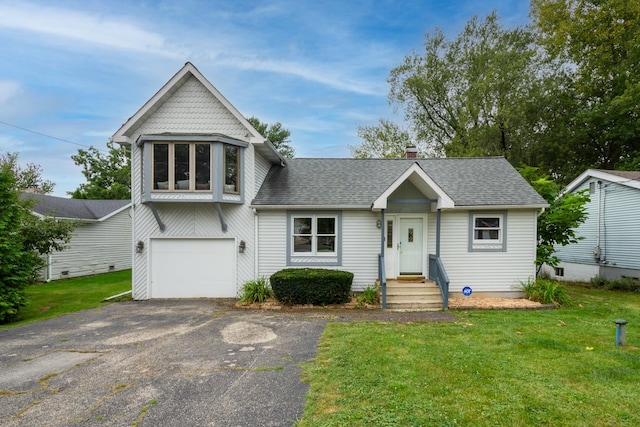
193, 268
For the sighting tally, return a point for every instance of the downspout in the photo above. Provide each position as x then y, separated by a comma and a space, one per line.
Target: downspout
437, 263
596, 250
49, 268
383, 280
438, 215
256, 241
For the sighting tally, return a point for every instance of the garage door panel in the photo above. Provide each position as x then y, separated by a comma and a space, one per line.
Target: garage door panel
193, 268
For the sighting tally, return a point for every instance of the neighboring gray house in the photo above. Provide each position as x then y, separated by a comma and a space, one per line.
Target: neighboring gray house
610, 247
99, 244
215, 205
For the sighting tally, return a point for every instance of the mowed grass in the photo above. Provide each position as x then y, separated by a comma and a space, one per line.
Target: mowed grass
47, 300
491, 368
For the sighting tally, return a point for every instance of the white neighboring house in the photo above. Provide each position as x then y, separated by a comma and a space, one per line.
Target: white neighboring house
215, 205
99, 244
610, 247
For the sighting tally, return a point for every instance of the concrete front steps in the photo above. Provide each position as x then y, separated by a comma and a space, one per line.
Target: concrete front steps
413, 293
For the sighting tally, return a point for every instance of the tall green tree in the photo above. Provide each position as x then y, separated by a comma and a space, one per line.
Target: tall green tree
24, 238
557, 225
108, 175
472, 95
384, 140
276, 134
27, 178
597, 40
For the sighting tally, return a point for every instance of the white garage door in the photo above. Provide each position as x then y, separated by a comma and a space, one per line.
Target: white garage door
193, 268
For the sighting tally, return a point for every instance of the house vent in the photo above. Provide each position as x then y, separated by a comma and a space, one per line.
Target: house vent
64, 273
112, 268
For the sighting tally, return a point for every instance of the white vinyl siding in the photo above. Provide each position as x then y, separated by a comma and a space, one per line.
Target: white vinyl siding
94, 248
272, 242
262, 167
360, 241
360, 247
192, 108
486, 271
582, 253
619, 231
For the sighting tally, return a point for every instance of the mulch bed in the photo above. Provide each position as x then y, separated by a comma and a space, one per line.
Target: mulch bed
366, 313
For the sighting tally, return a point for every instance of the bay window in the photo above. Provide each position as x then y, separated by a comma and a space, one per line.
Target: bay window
181, 166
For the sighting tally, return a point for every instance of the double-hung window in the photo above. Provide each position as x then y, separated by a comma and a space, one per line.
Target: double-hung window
488, 231
314, 235
181, 166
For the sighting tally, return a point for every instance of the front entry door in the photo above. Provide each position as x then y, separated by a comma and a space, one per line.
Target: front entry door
410, 246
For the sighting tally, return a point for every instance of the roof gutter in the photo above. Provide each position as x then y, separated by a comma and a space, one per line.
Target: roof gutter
311, 207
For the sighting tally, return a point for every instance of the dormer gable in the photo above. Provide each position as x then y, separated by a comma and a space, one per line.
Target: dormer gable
189, 103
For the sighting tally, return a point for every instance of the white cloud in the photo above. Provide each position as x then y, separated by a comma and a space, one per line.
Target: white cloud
310, 73
107, 31
8, 90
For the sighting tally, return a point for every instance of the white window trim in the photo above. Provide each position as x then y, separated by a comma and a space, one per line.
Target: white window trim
496, 245
314, 235
171, 167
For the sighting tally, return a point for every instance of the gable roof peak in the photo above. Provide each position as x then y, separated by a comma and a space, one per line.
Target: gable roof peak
124, 134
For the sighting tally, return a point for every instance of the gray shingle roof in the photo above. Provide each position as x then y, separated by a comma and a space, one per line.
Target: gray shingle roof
488, 181
61, 207
633, 175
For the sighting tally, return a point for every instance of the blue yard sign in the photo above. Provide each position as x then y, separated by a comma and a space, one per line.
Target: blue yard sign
466, 291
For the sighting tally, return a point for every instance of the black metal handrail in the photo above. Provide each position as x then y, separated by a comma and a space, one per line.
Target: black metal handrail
382, 276
438, 274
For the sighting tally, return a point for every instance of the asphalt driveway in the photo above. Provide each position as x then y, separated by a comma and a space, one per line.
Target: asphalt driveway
157, 363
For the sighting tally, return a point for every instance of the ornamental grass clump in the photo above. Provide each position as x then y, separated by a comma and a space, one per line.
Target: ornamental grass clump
369, 296
546, 291
256, 291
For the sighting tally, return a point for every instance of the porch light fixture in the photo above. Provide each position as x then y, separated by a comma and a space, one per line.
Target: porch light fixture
242, 246
139, 246
379, 224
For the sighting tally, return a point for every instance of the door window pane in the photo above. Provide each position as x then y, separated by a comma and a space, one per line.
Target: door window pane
389, 234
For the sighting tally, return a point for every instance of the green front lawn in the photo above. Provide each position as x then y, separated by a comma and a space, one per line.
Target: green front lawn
491, 368
65, 296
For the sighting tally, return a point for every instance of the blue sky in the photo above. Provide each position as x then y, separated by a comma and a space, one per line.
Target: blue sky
76, 70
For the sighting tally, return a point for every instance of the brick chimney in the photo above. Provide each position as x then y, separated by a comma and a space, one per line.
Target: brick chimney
411, 152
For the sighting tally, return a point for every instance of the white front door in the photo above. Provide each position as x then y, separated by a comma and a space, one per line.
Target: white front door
410, 245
